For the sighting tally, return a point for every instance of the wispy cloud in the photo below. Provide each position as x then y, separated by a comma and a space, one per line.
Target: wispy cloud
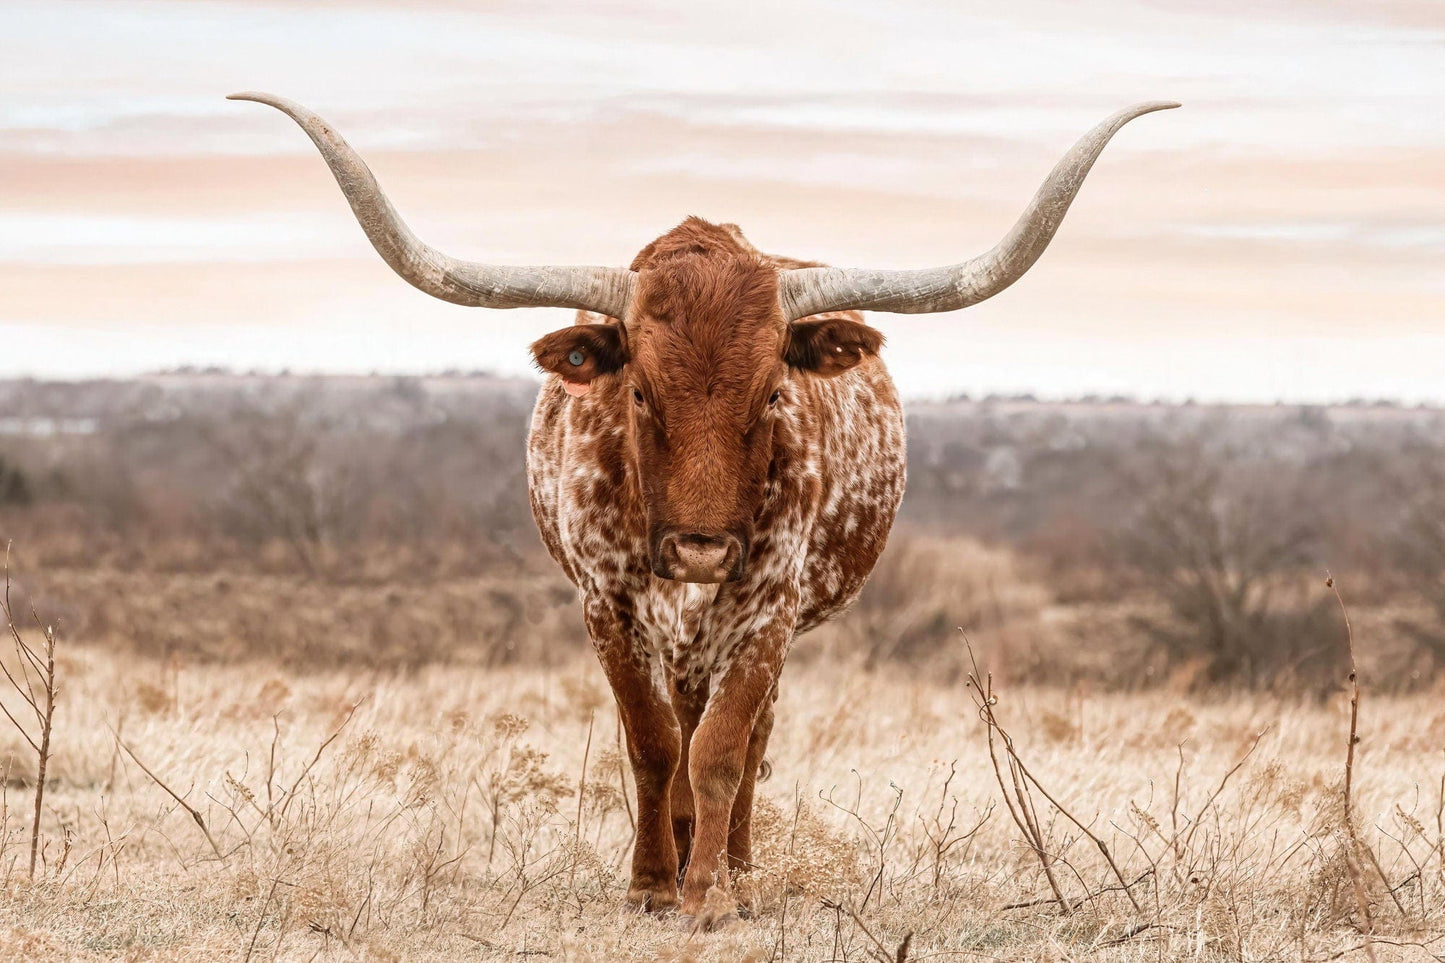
1303, 172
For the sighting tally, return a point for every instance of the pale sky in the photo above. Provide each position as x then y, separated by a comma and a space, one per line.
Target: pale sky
1282, 237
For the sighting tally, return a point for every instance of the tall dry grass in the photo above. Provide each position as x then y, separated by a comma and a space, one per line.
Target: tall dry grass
250, 812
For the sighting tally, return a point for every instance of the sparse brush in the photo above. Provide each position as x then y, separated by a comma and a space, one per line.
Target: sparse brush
1020, 801
443, 822
35, 684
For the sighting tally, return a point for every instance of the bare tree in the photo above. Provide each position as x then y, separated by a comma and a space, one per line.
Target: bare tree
1229, 558
1418, 546
282, 487
14, 488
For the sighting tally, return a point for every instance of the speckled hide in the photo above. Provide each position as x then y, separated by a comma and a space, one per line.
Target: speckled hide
695, 666
832, 491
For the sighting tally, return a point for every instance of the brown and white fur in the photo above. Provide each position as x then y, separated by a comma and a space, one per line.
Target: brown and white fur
709, 413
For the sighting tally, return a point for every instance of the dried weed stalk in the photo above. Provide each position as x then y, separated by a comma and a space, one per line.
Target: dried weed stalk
1358, 848
1018, 792
34, 681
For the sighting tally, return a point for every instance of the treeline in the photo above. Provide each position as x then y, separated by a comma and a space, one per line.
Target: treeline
1204, 533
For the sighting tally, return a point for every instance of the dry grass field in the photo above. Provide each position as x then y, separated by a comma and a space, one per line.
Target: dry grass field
316, 704
472, 813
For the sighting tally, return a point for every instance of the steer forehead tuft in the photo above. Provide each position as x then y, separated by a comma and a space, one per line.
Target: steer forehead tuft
714, 289
706, 320
704, 276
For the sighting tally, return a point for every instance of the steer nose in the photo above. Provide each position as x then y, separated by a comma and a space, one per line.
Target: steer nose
699, 557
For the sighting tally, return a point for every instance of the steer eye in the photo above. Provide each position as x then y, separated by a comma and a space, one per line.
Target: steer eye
773, 398
637, 397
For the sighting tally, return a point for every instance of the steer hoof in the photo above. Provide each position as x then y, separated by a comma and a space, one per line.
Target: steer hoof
656, 901
706, 923
722, 922
718, 912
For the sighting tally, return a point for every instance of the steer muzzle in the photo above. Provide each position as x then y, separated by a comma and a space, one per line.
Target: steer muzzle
699, 557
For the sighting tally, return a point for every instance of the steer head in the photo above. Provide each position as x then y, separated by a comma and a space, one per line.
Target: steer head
704, 336
703, 363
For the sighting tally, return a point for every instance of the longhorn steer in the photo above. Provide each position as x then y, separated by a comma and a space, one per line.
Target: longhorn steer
715, 463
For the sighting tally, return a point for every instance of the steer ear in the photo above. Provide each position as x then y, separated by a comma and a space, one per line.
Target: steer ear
830, 346
582, 352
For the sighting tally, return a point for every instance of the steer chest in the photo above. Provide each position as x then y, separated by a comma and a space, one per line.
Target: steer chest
830, 498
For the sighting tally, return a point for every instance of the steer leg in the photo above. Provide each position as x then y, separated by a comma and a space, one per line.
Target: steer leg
717, 760
688, 701
740, 829
653, 747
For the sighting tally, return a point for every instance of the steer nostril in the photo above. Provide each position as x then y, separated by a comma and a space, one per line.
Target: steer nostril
697, 551
698, 557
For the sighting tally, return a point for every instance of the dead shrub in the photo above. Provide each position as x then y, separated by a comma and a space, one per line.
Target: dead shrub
923, 589
14, 486
1230, 560
1417, 545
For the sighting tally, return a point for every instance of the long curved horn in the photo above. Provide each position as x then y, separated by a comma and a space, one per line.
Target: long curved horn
809, 291
604, 290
